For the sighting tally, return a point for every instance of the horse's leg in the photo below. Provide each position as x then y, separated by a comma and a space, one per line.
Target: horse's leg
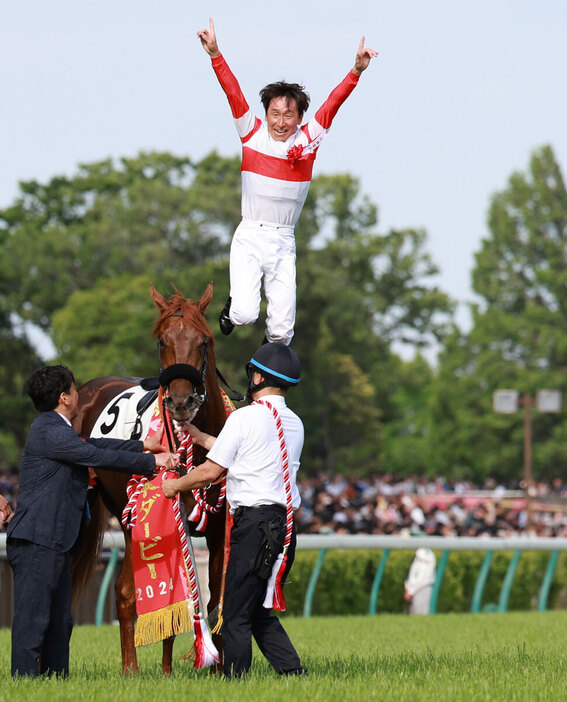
126, 606
167, 655
126, 609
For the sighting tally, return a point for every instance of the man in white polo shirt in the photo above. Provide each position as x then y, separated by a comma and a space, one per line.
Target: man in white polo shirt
250, 451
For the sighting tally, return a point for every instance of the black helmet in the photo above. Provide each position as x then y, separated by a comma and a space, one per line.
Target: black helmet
278, 363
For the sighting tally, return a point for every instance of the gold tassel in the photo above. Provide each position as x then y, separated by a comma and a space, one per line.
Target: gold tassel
218, 626
168, 621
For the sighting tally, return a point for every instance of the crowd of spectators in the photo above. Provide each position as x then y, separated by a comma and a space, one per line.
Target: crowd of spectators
387, 504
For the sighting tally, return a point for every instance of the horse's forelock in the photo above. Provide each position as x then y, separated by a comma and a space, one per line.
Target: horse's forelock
190, 313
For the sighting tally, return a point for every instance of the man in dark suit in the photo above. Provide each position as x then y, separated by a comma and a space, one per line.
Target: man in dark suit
51, 507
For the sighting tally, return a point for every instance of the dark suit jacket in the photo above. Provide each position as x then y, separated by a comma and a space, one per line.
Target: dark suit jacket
54, 479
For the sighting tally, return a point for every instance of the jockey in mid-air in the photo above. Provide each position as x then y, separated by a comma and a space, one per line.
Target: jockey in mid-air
277, 163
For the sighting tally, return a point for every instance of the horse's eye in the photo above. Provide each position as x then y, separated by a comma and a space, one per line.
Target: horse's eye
160, 343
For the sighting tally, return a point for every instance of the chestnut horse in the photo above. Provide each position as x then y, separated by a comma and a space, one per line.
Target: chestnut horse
188, 375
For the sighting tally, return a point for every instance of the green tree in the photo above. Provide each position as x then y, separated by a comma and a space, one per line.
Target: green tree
518, 339
140, 216
17, 361
117, 338
339, 408
86, 249
359, 293
406, 433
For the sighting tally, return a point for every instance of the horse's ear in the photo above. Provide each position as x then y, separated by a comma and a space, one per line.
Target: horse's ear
159, 300
206, 298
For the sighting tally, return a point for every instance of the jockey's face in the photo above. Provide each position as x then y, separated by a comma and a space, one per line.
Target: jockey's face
282, 118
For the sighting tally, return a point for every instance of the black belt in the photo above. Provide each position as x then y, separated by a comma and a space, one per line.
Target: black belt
239, 511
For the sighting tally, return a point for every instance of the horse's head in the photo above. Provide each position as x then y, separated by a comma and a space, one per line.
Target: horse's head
184, 339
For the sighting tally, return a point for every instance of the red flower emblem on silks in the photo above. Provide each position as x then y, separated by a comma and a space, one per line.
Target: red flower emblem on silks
294, 154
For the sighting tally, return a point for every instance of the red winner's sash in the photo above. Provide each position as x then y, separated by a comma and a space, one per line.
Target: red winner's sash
163, 600
160, 571
167, 600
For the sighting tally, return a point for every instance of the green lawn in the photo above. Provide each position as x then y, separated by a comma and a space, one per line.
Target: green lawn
515, 656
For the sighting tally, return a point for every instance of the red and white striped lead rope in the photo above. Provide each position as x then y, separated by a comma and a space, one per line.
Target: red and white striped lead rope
202, 507
206, 652
136, 483
274, 595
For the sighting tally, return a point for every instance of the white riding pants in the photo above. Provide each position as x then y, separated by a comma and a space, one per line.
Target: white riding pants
268, 251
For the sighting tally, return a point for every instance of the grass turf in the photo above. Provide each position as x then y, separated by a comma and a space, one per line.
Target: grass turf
514, 656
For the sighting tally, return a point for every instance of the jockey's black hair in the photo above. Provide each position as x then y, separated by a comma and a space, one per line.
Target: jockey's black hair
289, 91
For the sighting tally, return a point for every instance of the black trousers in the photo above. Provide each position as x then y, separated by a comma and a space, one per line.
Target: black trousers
243, 614
42, 624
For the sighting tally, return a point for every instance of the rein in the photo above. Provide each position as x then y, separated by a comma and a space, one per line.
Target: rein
184, 450
199, 513
197, 377
202, 509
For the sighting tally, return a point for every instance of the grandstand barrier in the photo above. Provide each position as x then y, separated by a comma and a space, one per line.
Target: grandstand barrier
113, 546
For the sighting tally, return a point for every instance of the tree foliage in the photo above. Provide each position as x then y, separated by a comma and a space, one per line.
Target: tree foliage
519, 334
17, 360
149, 215
79, 253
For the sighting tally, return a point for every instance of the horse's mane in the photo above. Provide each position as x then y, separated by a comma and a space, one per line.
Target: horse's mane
189, 311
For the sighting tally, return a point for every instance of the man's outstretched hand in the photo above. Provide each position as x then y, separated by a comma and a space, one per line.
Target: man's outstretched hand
209, 39
363, 56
